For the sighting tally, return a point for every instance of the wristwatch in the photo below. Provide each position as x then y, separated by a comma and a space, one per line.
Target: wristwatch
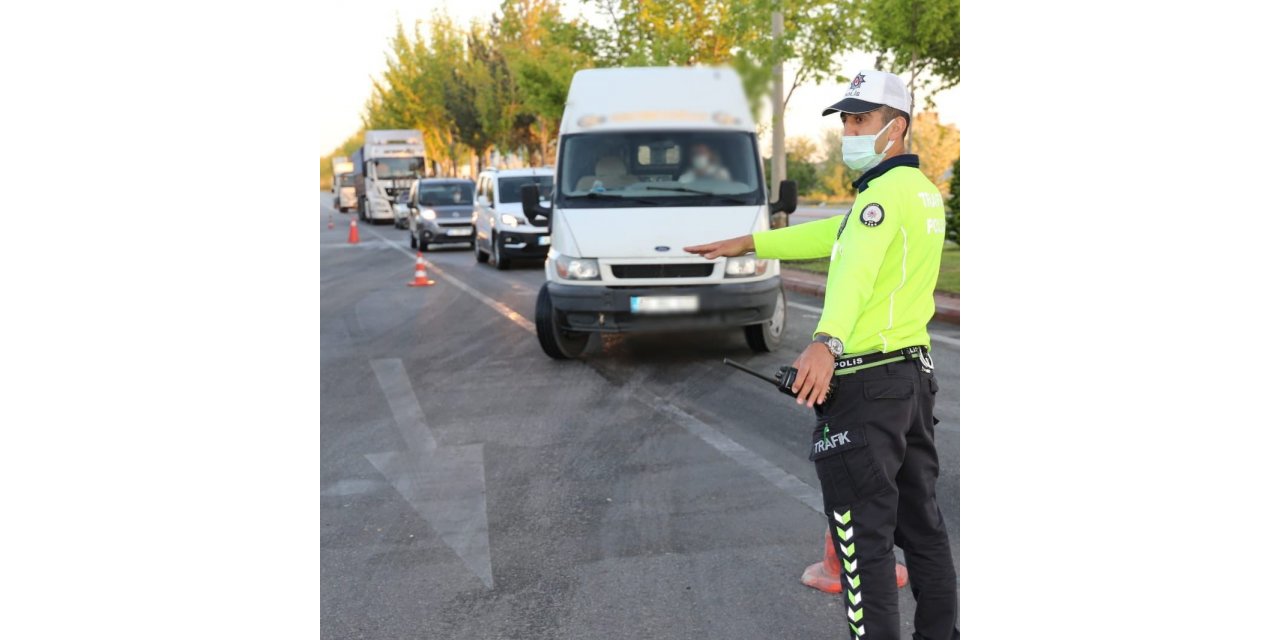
834, 344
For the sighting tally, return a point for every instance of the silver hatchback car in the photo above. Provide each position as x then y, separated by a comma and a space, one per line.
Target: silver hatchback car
439, 212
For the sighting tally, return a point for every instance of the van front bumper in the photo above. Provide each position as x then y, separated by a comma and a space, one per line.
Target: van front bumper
608, 309
518, 244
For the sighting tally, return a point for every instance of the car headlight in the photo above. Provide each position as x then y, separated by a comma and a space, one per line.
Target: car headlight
511, 220
428, 214
744, 266
577, 268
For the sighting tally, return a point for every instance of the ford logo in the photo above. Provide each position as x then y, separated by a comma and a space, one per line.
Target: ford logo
662, 248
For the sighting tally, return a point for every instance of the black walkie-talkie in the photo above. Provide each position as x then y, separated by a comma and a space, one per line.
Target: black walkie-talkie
783, 379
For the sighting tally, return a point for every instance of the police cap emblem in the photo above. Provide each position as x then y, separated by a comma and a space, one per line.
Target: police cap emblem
872, 215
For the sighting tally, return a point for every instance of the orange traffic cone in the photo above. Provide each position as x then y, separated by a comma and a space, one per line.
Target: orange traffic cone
420, 274
353, 236
825, 575
331, 222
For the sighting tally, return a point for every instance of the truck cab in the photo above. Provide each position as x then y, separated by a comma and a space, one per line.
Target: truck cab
643, 171
387, 166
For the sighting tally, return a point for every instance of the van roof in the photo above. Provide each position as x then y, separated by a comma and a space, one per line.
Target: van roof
656, 98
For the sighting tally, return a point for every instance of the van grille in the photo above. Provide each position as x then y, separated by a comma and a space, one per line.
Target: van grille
662, 270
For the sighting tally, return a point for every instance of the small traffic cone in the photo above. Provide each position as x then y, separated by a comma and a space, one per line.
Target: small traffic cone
420, 274
825, 575
353, 236
331, 222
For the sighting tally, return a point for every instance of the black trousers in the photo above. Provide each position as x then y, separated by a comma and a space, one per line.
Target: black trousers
875, 456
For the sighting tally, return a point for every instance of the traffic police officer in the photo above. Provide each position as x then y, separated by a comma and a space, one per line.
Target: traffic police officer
873, 446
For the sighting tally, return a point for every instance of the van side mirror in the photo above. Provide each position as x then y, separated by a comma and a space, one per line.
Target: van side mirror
538, 215
786, 201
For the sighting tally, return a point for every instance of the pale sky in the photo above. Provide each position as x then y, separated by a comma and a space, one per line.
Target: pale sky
356, 38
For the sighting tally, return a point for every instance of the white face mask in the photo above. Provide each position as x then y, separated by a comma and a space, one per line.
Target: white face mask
701, 162
860, 151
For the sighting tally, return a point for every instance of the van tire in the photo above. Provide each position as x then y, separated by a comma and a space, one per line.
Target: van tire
766, 337
500, 261
481, 256
555, 342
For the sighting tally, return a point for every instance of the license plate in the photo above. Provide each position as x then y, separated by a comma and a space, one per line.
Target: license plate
664, 304
459, 232
544, 241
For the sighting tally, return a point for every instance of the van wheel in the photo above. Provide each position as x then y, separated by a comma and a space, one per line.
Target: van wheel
481, 256
555, 341
500, 261
767, 336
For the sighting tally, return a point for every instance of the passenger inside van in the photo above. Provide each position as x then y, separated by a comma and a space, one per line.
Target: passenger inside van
704, 164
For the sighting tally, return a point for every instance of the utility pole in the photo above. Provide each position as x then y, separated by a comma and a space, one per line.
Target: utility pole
778, 163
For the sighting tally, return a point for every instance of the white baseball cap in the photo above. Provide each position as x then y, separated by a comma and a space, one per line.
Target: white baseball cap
870, 90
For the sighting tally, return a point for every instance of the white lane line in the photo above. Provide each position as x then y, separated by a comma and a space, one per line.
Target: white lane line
955, 342
776, 476
502, 309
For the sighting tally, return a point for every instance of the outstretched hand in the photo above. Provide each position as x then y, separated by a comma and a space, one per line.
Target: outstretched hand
731, 247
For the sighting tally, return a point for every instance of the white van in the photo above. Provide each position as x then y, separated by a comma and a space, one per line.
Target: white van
501, 231
652, 160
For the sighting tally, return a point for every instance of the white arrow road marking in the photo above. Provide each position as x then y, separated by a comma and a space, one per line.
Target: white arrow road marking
396, 386
443, 484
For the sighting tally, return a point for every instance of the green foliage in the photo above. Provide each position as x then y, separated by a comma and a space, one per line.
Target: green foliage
953, 205
916, 38
737, 33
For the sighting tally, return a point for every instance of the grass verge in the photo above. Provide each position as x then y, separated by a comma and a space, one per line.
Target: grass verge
948, 272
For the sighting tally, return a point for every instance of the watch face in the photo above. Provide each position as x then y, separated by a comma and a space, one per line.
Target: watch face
836, 347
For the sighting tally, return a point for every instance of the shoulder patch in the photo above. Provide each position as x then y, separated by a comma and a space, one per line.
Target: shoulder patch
872, 215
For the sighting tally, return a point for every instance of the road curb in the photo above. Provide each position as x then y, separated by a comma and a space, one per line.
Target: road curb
946, 305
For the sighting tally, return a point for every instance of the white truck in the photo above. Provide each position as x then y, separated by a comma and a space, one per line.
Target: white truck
344, 184
652, 160
385, 168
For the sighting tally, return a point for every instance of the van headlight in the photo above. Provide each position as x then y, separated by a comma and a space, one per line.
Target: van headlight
577, 268
511, 220
744, 266
428, 214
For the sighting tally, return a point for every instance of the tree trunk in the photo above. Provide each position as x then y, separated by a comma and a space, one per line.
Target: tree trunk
778, 163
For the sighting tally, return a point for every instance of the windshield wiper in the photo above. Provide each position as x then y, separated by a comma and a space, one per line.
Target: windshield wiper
612, 196
723, 196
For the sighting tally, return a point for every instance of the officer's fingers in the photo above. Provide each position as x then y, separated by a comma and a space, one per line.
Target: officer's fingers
803, 385
707, 250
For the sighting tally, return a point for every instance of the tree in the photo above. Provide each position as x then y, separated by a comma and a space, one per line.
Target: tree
953, 205
916, 38
733, 33
938, 146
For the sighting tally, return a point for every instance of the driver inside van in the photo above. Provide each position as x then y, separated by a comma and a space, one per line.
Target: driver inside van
704, 164
611, 173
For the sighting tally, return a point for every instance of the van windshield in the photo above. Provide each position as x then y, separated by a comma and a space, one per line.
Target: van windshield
509, 188
445, 193
347, 180
659, 168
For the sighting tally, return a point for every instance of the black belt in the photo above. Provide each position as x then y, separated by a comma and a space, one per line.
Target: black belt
850, 364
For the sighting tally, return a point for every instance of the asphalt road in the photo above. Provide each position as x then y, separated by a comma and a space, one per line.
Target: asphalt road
471, 487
